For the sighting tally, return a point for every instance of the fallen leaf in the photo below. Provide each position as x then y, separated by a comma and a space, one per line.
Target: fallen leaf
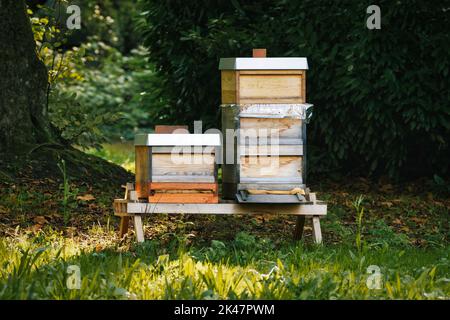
40, 220
86, 197
387, 204
3, 209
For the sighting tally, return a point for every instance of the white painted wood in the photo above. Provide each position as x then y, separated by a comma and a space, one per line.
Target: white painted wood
184, 178
317, 233
270, 110
318, 209
176, 139
263, 64
264, 150
138, 228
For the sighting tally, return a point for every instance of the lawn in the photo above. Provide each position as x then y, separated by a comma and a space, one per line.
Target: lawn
400, 232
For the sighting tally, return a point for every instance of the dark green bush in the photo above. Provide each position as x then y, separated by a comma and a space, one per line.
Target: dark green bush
381, 96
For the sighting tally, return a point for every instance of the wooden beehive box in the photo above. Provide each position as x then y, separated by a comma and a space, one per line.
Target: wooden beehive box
263, 80
263, 99
177, 168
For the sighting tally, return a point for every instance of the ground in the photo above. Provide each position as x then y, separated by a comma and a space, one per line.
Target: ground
48, 224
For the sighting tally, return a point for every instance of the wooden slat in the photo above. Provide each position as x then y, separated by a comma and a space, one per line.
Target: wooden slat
195, 164
138, 228
228, 86
183, 198
318, 209
142, 170
275, 72
183, 186
265, 150
184, 178
286, 128
171, 128
270, 88
268, 167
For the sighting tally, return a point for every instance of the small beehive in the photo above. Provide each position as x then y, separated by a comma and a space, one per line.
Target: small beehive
263, 100
177, 168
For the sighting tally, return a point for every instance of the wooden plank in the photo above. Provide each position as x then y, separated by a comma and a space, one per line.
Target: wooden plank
269, 186
271, 180
142, 170
299, 226
183, 198
270, 88
317, 233
191, 164
285, 128
138, 228
318, 209
183, 186
228, 79
303, 96
184, 178
123, 229
171, 128
270, 167
184, 150
265, 150
177, 139
276, 72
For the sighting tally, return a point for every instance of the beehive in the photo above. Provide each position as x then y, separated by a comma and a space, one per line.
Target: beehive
263, 101
177, 168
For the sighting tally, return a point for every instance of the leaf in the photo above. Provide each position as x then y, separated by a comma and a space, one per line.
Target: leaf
40, 220
86, 197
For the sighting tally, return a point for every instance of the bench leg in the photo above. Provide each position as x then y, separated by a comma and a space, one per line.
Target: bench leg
138, 229
124, 222
299, 225
317, 233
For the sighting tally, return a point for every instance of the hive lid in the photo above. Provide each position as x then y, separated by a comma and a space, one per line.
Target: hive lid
175, 139
263, 64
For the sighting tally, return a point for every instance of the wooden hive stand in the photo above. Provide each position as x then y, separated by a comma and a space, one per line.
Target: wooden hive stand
131, 208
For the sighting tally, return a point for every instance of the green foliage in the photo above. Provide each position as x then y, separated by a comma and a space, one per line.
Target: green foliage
109, 101
381, 96
69, 195
95, 92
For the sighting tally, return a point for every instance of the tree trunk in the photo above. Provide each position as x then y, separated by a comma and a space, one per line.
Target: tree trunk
23, 83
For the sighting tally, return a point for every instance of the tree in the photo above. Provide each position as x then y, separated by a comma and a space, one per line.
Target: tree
23, 83
28, 141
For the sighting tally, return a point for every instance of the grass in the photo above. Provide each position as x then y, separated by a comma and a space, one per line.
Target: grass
244, 268
400, 231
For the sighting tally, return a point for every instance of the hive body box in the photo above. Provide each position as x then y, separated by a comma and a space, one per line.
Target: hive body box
176, 168
260, 95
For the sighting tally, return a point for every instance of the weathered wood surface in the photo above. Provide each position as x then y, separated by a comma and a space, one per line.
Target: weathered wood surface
284, 128
171, 128
190, 198
183, 186
272, 150
270, 88
143, 165
186, 164
271, 167
263, 86
319, 209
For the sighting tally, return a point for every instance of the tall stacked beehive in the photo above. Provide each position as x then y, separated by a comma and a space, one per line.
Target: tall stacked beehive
264, 103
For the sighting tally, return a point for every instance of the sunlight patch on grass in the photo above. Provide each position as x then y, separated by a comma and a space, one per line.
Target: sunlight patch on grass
35, 267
